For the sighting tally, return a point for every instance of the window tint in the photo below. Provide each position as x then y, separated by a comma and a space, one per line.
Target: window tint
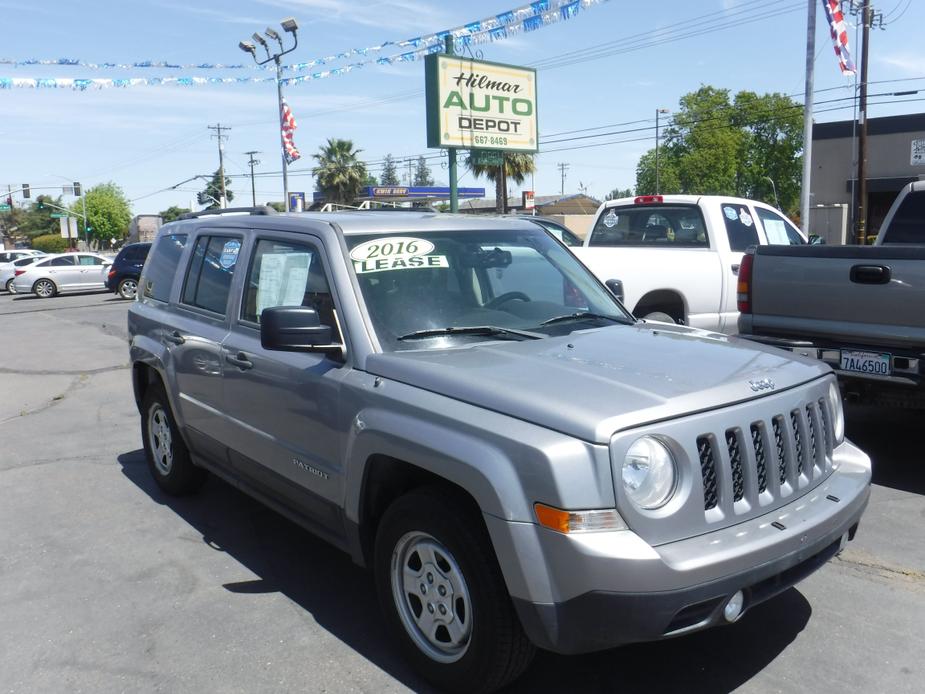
778, 230
135, 254
211, 268
159, 273
740, 226
908, 225
28, 260
672, 226
89, 260
62, 261
287, 274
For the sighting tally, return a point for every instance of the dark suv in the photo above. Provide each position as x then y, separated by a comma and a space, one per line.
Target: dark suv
126, 269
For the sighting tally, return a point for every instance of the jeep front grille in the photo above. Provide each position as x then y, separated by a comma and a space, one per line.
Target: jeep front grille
769, 459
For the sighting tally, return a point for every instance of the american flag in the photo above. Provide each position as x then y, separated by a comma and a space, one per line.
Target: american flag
289, 125
839, 35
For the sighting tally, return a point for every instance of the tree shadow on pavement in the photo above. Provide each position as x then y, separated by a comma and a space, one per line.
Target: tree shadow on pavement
341, 598
892, 439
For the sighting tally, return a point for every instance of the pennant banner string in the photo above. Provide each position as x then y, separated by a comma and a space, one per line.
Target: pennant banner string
494, 28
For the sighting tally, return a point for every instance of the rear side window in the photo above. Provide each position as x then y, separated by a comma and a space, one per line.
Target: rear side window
908, 225
670, 226
159, 272
211, 269
740, 226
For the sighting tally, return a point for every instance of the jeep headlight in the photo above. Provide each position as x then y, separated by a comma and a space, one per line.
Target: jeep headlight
649, 473
838, 412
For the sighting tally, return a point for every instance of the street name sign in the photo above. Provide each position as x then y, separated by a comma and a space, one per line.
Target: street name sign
476, 104
58, 215
4, 208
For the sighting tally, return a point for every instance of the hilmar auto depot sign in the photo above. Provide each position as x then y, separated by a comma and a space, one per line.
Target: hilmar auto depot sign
474, 104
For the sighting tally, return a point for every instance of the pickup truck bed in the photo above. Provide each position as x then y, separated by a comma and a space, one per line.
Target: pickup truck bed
861, 309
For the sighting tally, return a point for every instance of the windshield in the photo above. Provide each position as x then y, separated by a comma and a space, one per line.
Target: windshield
508, 282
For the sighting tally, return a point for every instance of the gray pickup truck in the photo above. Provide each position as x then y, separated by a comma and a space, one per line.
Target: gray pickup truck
861, 309
460, 405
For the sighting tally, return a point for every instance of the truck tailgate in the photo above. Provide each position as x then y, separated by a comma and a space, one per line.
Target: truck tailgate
876, 295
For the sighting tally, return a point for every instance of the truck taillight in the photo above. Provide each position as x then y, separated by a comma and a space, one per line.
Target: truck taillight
112, 273
744, 290
648, 199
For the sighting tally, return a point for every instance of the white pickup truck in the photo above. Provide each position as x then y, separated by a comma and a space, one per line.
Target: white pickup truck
678, 256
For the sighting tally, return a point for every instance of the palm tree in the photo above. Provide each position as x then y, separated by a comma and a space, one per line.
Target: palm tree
516, 166
339, 174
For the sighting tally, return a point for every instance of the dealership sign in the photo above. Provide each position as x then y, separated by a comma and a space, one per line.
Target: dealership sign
475, 104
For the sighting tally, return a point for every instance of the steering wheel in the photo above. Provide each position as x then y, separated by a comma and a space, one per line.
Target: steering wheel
504, 298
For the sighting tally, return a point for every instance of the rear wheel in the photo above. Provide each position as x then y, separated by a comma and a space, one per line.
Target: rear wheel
44, 289
127, 288
167, 455
441, 589
659, 317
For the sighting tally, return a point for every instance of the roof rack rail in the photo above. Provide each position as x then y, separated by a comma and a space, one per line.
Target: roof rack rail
259, 210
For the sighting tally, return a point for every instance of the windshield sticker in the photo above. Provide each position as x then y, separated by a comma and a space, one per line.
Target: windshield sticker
229, 254
391, 247
411, 262
745, 217
610, 220
730, 213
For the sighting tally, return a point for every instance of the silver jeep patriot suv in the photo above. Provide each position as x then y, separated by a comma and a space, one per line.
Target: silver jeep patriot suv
461, 406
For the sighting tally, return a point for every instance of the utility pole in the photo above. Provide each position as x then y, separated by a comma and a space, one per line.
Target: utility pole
860, 218
807, 116
562, 169
218, 128
449, 47
252, 162
658, 112
410, 176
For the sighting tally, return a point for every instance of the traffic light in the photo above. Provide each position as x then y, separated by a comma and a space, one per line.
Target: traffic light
202, 198
40, 204
25, 191
76, 189
88, 229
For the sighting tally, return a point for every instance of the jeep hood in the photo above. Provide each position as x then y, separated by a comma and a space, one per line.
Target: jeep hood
593, 383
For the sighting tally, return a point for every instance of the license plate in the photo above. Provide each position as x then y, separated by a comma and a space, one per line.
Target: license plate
874, 363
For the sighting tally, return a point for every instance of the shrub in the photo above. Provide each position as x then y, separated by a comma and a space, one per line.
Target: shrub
50, 243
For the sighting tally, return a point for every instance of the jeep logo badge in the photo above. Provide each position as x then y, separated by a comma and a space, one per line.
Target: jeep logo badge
761, 384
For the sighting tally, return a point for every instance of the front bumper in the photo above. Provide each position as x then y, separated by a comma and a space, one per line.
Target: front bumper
586, 592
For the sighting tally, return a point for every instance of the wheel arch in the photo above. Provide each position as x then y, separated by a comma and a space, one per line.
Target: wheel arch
669, 301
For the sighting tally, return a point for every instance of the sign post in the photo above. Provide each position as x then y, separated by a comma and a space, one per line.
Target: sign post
478, 105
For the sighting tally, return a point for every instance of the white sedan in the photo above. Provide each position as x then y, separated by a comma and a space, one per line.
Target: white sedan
8, 270
64, 272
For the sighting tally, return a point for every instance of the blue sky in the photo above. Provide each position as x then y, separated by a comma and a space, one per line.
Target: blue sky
148, 138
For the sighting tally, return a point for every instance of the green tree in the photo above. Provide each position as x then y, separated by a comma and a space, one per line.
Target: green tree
422, 174
389, 175
339, 173
719, 146
172, 213
618, 193
213, 190
370, 180
37, 220
516, 167
108, 213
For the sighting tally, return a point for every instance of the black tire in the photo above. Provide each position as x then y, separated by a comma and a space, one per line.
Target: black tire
496, 649
128, 288
167, 455
660, 317
44, 289
9, 286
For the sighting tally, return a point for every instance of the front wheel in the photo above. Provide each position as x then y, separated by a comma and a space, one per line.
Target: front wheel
443, 595
168, 458
9, 285
44, 289
128, 288
659, 317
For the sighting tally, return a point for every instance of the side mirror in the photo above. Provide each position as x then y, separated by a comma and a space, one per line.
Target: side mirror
294, 329
616, 288
816, 240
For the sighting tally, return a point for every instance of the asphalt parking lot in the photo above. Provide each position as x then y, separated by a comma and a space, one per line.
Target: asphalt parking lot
107, 585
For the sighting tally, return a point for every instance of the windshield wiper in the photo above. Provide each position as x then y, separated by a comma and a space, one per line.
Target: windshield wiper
585, 315
471, 330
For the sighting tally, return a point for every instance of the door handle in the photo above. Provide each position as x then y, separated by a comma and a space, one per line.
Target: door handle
175, 337
870, 274
240, 360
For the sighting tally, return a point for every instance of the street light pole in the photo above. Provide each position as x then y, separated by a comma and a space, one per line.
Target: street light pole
290, 26
774, 188
658, 112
